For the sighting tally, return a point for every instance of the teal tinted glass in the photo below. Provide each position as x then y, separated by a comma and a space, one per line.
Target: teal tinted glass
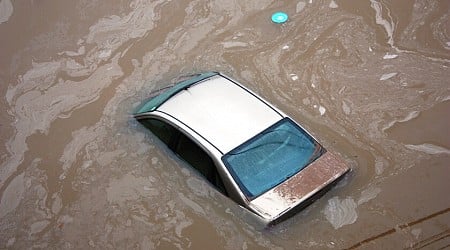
154, 102
271, 157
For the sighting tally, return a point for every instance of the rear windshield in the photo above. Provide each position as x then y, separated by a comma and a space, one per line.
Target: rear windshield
271, 157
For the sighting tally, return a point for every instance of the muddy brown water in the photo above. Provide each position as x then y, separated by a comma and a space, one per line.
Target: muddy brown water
370, 79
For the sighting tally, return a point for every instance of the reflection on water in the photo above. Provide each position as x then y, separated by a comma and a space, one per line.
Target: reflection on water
368, 78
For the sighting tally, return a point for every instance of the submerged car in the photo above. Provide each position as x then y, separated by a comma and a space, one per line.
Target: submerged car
244, 146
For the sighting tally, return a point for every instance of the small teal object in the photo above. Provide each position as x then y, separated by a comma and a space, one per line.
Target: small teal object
279, 17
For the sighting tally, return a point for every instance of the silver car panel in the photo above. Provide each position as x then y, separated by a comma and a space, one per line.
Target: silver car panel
219, 114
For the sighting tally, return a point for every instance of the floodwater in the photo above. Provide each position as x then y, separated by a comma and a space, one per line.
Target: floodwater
369, 78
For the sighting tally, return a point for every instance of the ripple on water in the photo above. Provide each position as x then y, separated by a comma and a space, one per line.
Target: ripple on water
129, 187
424, 131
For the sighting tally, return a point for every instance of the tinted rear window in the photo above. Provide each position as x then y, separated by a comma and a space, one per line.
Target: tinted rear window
271, 157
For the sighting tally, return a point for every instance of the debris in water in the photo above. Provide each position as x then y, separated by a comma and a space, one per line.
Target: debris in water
232, 44
333, 4
322, 110
279, 17
390, 56
388, 76
429, 148
345, 108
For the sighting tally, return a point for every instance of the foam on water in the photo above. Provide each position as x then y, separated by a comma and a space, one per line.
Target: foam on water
340, 212
6, 10
388, 24
429, 148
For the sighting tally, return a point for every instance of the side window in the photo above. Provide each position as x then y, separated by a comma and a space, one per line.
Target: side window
200, 160
162, 130
186, 149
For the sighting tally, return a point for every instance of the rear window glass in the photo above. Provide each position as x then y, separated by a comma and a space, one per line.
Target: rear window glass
271, 157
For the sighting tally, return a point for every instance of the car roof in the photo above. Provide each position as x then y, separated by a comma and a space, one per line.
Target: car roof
221, 111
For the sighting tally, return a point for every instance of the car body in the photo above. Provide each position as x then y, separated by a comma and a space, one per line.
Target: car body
244, 146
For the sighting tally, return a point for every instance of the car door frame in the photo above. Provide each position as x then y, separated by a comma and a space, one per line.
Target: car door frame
231, 187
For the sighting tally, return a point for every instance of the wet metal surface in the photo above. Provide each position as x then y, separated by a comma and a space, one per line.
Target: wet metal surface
368, 78
305, 184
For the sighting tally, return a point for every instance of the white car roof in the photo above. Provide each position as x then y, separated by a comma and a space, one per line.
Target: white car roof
221, 111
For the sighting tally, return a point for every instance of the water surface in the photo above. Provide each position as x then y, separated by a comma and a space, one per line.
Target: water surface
368, 78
